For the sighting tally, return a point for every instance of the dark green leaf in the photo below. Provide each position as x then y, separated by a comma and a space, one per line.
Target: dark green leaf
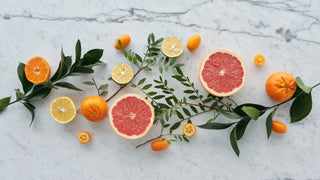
160, 69
133, 85
186, 111
38, 92
189, 91
166, 60
178, 66
251, 112
216, 126
207, 100
175, 126
152, 93
103, 93
26, 85
159, 97
81, 70
193, 97
186, 84
19, 94
88, 83
179, 71
31, 108
98, 63
138, 57
67, 85
238, 110
4, 102
231, 116
300, 107
301, 85
233, 141
78, 52
180, 116
92, 56
147, 86
103, 86
157, 42
173, 61
189, 121
163, 106
269, 122
241, 127
63, 68
168, 101
184, 138
141, 81
194, 109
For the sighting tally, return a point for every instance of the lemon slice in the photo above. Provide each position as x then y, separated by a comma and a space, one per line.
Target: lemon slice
172, 47
63, 110
122, 73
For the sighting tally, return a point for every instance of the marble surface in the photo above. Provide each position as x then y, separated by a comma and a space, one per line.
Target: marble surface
286, 32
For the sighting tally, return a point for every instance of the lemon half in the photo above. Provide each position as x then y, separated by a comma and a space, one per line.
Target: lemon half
63, 110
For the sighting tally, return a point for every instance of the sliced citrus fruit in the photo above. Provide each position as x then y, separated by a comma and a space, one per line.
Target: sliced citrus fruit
222, 73
172, 47
131, 116
84, 137
37, 70
122, 73
189, 129
159, 144
63, 110
259, 60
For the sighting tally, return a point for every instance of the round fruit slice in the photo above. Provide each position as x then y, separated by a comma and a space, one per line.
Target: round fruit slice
172, 47
122, 73
222, 73
189, 129
84, 137
37, 70
259, 60
131, 116
63, 110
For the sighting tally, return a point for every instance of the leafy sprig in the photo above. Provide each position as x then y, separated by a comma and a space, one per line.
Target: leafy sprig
33, 92
100, 89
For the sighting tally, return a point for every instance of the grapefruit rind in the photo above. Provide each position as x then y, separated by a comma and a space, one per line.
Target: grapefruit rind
115, 128
213, 92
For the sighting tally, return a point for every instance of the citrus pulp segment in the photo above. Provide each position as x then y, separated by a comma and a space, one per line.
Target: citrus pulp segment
63, 110
131, 116
122, 73
172, 47
222, 73
37, 70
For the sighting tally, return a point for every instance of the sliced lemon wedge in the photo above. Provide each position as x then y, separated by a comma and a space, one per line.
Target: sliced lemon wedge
63, 110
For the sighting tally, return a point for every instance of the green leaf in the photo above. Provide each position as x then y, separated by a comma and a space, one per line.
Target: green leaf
4, 102
189, 91
160, 69
207, 100
67, 85
159, 97
178, 66
184, 138
173, 61
238, 110
241, 127
103, 93
19, 94
269, 122
180, 116
141, 81
88, 83
193, 97
26, 85
216, 126
301, 85
194, 109
175, 126
78, 52
231, 116
179, 71
31, 108
138, 57
168, 100
251, 112
92, 56
301, 107
38, 92
166, 68
147, 86
63, 68
148, 69
98, 63
233, 141
133, 85
103, 86
152, 93
81, 70
186, 111
157, 42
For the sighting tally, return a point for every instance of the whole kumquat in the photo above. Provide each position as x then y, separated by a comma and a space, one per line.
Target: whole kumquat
279, 127
193, 42
160, 144
125, 41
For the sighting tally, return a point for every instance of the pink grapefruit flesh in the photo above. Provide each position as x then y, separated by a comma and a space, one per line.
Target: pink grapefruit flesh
222, 73
131, 116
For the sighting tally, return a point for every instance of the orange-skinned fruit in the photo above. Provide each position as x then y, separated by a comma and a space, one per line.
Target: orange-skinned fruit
37, 70
84, 137
279, 127
94, 108
193, 42
125, 41
159, 145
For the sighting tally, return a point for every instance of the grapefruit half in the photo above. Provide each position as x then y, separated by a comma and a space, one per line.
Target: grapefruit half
222, 73
131, 116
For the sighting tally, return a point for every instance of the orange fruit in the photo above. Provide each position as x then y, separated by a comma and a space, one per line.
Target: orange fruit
189, 129
259, 60
37, 70
279, 127
159, 144
84, 137
193, 42
222, 73
125, 41
281, 86
94, 108
131, 116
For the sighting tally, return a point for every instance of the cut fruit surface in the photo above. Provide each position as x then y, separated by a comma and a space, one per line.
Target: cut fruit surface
122, 73
37, 70
172, 47
131, 116
189, 129
84, 137
222, 73
63, 110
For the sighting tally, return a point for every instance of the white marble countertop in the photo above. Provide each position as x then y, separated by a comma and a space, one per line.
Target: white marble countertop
287, 33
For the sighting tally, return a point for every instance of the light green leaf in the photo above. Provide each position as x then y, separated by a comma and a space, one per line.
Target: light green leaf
251, 112
4, 102
302, 86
